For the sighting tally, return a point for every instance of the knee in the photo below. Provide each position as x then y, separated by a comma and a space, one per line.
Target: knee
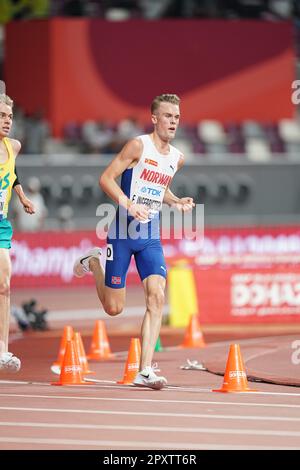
113, 309
5, 287
155, 301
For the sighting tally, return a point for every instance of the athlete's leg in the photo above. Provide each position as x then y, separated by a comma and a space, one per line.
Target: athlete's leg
154, 287
5, 275
8, 362
151, 266
113, 300
110, 284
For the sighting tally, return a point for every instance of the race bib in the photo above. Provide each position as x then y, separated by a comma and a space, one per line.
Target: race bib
109, 252
3, 194
149, 195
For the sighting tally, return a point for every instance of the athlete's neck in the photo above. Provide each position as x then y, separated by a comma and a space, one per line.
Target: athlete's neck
161, 145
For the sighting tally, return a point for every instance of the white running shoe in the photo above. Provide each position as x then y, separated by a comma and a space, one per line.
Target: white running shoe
148, 378
81, 265
9, 363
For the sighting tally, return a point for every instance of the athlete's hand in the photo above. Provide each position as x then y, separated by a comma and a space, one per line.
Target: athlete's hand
185, 204
139, 212
28, 206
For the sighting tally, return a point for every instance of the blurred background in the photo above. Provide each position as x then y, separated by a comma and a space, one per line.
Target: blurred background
83, 74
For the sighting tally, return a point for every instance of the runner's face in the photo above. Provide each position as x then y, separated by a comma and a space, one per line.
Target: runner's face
6, 116
166, 120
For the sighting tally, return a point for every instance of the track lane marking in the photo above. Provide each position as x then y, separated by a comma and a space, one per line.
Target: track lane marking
113, 412
177, 429
141, 444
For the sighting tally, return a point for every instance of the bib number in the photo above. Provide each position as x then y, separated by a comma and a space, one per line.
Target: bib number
109, 252
3, 194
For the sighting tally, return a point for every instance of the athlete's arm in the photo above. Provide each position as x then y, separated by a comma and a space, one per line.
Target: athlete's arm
16, 146
26, 203
129, 155
169, 197
183, 204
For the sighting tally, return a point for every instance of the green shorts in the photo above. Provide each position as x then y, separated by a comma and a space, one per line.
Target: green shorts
6, 233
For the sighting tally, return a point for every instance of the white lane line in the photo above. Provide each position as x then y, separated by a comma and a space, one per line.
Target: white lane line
252, 385
219, 416
283, 394
114, 385
93, 384
177, 429
124, 413
141, 445
176, 388
19, 382
149, 400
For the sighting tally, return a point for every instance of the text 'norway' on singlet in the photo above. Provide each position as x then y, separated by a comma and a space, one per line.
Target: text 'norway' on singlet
147, 182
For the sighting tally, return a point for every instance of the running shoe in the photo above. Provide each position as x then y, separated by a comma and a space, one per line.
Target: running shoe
148, 378
82, 266
9, 363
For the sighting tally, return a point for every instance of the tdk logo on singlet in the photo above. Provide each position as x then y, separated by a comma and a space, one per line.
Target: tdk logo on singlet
156, 177
4, 182
151, 191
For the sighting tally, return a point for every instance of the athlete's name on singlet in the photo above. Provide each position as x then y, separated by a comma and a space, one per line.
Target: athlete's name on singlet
154, 205
151, 196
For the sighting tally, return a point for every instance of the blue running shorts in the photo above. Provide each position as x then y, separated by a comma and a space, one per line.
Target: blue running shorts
148, 254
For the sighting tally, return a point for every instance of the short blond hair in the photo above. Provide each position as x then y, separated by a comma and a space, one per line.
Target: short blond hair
164, 98
5, 99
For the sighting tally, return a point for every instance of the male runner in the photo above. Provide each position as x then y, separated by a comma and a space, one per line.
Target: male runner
9, 149
147, 165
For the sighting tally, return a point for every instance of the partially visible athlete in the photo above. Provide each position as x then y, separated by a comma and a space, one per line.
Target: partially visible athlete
9, 149
147, 165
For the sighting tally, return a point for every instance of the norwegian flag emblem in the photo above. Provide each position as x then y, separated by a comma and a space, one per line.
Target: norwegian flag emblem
116, 279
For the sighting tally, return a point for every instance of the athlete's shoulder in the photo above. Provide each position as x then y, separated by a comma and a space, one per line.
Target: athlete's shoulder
180, 161
134, 147
16, 146
138, 141
175, 150
178, 154
178, 157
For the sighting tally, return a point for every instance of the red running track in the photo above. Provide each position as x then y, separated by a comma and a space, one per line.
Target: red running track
186, 415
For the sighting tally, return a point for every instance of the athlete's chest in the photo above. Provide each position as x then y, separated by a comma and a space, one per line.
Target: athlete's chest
3, 155
158, 170
151, 177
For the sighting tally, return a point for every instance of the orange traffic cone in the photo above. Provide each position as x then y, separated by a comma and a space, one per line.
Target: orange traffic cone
133, 362
67, 336
81, 354
71, 369
100, 348
193, 337
235, 378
